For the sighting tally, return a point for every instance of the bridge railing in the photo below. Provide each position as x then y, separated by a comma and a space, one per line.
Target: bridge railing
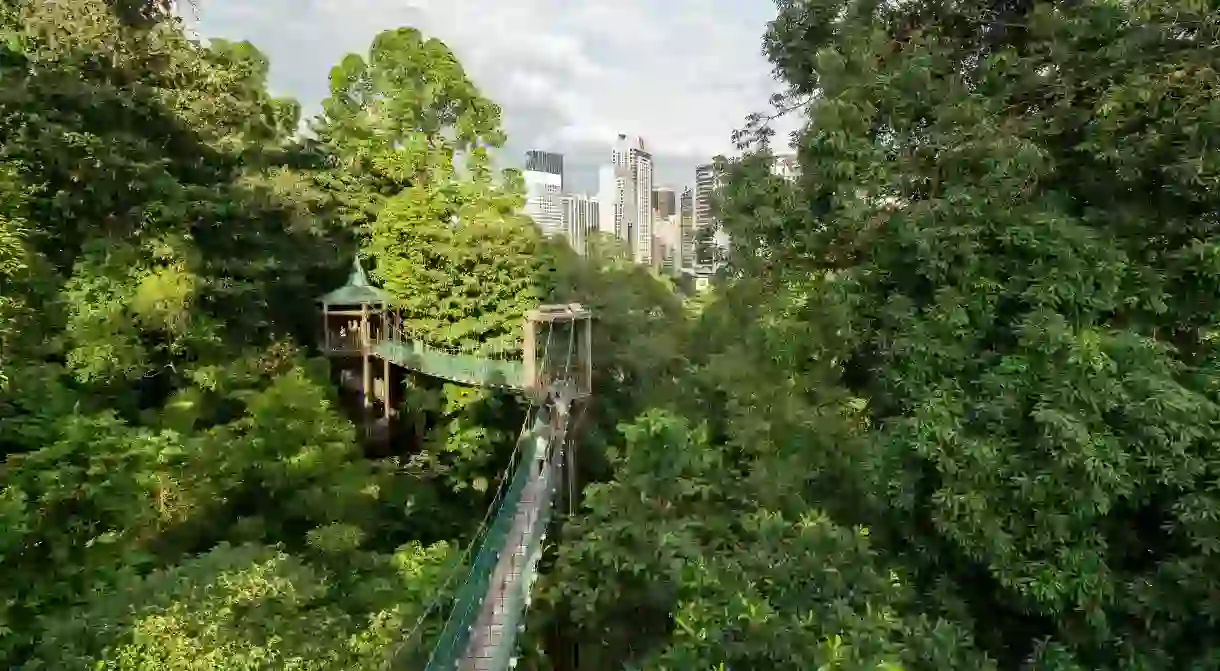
394, 331
516, 600
451, 647
450, 363
342, 332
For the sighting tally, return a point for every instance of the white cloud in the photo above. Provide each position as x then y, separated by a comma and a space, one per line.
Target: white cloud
569, 75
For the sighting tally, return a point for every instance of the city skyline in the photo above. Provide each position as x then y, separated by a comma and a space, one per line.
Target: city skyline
567, 76
658, 226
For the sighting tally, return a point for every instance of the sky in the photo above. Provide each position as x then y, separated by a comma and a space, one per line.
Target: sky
570, 75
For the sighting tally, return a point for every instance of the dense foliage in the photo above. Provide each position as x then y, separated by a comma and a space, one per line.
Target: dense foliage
410, 135
981, 326
951, 406
179, 489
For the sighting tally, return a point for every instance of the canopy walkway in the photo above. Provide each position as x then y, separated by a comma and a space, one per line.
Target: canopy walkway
468, 369
488, 611
554, 373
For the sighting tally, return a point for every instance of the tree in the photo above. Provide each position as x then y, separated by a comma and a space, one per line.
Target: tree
978, 326
14, 271
447, 239
249, 607
158, 449
1005, 224
156, 190
639, 334
683, 562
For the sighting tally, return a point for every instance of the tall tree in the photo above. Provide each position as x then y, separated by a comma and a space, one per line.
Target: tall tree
980, 325
14, 270
162, 435
411, 133
1007, 218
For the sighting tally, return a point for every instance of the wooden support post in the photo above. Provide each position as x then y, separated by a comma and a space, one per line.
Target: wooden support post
588, 353
385, 387
529, 354
326, 328
367, 377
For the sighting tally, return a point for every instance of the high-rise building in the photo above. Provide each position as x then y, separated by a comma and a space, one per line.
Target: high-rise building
786, 166
614, 193
544, 161
543, 184
706, 183
580, 216
668, 244
627, 183
567, 209
686, 225
664, 202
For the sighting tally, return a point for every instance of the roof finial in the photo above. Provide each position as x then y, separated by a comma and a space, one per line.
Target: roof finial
358, 290
357, 278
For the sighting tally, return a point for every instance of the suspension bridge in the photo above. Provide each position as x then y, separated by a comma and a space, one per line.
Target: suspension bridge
553, 373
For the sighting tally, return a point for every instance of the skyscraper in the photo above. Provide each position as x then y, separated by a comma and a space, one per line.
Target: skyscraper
626, 185
543, 185
668, 244
613, 186
707, 181
705, 186
786, 166
664, 203
686, 225
580, 215
544, 161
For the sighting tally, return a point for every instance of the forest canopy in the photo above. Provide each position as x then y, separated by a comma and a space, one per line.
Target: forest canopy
948, 407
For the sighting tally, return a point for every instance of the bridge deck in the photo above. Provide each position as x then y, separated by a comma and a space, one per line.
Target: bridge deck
460, 368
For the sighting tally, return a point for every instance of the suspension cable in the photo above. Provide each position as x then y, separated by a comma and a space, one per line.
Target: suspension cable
456, 566
506, 476
566, 448
400, 328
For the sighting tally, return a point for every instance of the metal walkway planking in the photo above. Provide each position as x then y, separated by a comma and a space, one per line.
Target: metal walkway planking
489, 607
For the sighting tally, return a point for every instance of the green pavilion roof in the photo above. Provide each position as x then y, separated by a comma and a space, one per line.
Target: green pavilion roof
356, 291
